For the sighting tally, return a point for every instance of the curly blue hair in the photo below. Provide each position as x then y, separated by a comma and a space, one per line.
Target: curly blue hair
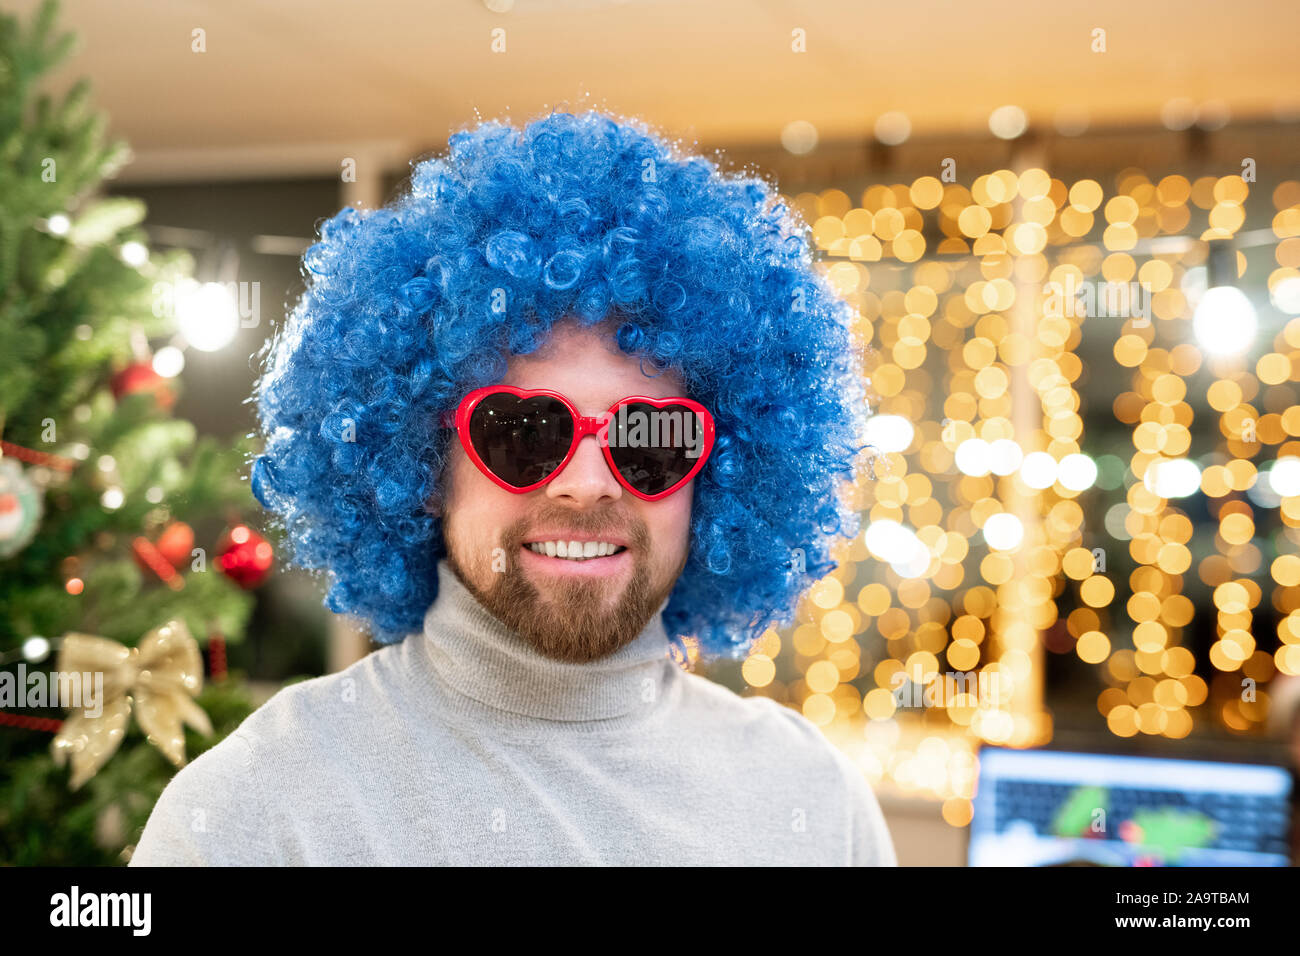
574, 216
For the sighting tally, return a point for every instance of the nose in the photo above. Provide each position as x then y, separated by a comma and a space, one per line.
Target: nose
586, 480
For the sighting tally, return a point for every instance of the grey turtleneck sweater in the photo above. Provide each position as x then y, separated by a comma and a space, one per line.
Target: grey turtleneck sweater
464, 746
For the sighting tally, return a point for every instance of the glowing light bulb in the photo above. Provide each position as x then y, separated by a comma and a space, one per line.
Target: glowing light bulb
1284, 477
1224, 321
134, 253
1039, 470
799, 137
207, 315
974, 457
168, 361
36, 648
890, 433
893, 128
1175, 478
1008, 122
1005, 456
1077, 472
892, 542
1004, 531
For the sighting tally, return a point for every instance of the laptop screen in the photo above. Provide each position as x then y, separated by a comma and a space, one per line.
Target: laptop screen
1052, 808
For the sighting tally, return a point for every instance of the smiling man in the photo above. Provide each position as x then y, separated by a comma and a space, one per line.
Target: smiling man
580, 566
574, 411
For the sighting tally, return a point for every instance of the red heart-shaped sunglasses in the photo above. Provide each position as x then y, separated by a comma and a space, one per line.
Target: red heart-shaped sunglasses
522, 438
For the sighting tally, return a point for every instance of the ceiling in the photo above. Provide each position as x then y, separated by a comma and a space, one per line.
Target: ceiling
285, 86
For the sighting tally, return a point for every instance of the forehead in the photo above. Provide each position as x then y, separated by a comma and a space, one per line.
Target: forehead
586, 365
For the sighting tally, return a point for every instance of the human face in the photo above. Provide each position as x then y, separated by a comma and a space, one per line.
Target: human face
573, 611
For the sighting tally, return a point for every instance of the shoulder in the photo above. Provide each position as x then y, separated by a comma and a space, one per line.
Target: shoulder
789, 746
210, 812
869, 832
219, 808
758, 731
323, 712
757, 718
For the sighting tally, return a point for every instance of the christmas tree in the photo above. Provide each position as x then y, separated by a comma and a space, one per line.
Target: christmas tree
110, 508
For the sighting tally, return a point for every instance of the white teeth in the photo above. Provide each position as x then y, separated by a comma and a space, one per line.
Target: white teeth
574, 550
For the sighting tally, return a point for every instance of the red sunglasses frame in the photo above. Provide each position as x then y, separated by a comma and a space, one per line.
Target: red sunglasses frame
583, 426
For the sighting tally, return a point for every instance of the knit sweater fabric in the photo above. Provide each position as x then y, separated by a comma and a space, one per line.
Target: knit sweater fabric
465, 746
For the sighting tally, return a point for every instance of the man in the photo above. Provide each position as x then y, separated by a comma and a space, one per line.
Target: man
462, 429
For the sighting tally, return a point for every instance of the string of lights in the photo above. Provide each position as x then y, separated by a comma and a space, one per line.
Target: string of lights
995, 527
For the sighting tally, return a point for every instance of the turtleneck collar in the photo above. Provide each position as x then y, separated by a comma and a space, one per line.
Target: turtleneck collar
475, 654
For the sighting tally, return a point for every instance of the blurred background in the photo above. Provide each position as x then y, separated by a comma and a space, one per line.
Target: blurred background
1071, 627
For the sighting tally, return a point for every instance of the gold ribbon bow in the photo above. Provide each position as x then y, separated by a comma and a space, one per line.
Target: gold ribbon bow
162, 674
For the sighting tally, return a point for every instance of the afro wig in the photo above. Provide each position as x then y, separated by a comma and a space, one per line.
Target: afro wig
409, 306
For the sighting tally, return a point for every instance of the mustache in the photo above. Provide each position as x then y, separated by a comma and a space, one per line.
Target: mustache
584, 523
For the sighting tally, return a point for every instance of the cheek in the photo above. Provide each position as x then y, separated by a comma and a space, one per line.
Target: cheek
461, 499
475, 505
670, 522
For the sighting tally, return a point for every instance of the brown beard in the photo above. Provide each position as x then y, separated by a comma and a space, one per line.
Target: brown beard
575, 626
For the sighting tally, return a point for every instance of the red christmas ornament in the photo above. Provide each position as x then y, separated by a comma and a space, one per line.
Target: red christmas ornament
140, 377
176, 543
244, 556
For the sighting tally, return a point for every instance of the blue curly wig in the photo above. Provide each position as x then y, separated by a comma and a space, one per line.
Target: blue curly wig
580, 216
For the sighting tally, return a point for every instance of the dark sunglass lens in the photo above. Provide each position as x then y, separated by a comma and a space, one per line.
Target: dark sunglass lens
521, 440
655, 448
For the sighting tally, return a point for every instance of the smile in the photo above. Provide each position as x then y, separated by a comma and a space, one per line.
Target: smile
575, 550
616, 564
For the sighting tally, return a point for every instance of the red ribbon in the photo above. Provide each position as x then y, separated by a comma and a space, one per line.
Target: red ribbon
33, 457
217, 656
150, 555
47, 724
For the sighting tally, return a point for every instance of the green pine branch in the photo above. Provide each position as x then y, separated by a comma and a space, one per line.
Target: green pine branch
72, 314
